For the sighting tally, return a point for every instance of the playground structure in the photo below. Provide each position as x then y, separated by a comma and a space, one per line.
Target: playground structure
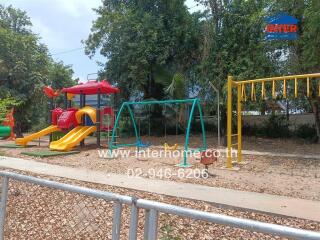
76, 123
7, 128
241, 90
72, 119
195, 103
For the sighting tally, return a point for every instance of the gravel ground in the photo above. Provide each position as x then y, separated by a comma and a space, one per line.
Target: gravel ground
294, 177
35, 212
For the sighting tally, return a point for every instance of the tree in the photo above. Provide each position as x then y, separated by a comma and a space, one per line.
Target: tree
60, 76
178, 90
24, 67
14, 19
233, 43
145, 43
310, 54
303, 53
5, 105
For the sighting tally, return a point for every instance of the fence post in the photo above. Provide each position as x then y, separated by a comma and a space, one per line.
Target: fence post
116, 226
146, 224
151, 225
4, 197
133, 220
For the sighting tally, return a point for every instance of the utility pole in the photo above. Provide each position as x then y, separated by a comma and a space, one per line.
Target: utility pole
218, 110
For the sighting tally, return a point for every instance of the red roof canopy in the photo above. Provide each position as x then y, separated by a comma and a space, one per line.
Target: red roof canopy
92, 87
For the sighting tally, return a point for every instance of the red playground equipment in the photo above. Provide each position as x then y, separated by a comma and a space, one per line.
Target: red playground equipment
50, 93
76, 123
7, 128
67, 119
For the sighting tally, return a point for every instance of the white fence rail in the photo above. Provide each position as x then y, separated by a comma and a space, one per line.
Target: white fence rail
152, 210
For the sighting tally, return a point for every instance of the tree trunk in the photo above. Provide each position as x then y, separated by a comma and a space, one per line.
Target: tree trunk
263, 108
18, 124
18, 130
287, 110
149, 88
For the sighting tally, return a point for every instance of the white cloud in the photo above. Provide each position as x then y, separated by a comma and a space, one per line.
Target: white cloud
78, 8
48, 36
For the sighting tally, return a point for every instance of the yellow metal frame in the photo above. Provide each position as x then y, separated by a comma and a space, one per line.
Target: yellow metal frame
242, 96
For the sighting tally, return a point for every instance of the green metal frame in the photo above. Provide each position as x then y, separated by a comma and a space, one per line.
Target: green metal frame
195, 103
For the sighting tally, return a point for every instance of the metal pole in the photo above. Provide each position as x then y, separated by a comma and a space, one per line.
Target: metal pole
229, 123
218, 111
133, 220
115, 126
98, 123
138, 140
251, 225
4, 197
116, 226
185, 161
190, 100
151, 227
219, 133
204, 142
51, 105
70, 188
66, 100
83, 117
239, 117
146, 224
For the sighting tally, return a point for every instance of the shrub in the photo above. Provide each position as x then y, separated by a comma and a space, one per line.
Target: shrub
277, 126
306, 131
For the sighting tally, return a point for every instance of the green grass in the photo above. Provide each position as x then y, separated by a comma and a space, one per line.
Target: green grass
48, 153
15, 146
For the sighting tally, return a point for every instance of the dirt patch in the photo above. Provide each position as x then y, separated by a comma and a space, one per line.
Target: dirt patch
35, 212
294, 177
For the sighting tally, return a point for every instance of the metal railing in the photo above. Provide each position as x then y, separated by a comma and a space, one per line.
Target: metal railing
152, 210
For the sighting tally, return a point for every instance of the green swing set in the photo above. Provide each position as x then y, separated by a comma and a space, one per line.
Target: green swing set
195, 103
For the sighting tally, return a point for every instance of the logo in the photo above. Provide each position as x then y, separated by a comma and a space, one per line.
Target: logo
281, 27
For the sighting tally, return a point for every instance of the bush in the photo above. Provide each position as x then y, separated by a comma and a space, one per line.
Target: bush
277, 126
254, 130
5, 105
306, 131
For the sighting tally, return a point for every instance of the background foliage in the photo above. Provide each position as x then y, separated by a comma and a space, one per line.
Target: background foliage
146, 43
157, 49
25, 67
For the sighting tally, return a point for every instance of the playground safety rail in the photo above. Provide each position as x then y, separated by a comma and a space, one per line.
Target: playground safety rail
152, 210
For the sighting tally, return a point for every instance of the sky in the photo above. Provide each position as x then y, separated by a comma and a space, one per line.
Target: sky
62, 24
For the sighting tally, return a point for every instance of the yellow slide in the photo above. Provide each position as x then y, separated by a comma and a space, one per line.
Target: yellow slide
71, 139
24, 141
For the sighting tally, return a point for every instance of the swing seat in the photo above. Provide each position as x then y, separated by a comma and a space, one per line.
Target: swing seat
141, 144
170, 148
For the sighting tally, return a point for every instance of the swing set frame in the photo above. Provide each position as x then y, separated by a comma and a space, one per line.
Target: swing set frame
241, 87
195, 103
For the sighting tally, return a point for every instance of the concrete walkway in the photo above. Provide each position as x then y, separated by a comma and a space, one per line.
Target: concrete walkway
276, 154
268, 203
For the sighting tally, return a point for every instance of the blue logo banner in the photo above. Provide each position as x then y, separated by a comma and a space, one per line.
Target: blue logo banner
281, 27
